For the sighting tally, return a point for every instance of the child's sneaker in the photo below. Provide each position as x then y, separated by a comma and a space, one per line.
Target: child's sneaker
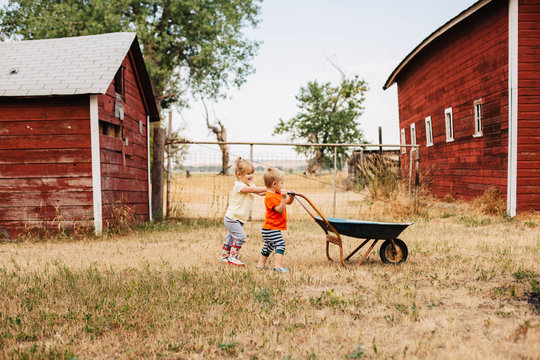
235, 261
224, 260
281, 269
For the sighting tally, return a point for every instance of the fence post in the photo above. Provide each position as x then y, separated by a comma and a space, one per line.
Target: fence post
380, 140
251, 153
335, 178
416, 178
168, 205
410, 172
157, 173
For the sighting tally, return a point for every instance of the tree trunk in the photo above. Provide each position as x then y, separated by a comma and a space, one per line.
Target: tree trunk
157, 173
224, 157
315, 165
221, 136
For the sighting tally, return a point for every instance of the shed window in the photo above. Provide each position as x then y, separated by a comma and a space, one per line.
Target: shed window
110, 129
449, 124
429, 132
119, 83
403, 141
477, 118
413, 134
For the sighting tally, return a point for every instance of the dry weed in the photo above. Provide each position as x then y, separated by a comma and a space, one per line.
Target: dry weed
380, 175
491, 202
122, 220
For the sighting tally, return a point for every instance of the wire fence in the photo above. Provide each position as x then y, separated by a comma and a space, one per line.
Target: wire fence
198, 186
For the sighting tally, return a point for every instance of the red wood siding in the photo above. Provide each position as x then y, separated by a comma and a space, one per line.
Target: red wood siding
528, 167
124, 169
469, 62
45, 162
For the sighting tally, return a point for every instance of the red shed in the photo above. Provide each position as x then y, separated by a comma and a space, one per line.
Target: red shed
74, 131
469, 94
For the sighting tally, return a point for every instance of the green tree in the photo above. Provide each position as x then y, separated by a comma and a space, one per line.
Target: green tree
189, 46
328, 114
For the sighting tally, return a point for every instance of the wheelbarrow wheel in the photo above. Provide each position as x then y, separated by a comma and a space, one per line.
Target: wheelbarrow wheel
389, 255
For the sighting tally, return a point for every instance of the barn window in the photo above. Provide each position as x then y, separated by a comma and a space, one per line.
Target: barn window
429, 132
477, 118
119, 83
413, 134
110, 129
403, 141
449, 124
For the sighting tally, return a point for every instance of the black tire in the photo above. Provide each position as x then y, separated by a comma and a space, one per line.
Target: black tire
391, 256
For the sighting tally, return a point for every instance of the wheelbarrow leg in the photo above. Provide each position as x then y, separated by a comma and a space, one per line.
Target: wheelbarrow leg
334, 240
367, 252
355, 250
327, 250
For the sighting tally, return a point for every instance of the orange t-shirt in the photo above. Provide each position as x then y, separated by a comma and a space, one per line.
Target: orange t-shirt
274, 220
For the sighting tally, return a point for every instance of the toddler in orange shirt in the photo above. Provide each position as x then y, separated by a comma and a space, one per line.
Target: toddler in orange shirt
275, 220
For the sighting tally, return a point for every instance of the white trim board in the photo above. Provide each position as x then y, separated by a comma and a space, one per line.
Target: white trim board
149, 173
511, 193
96, 165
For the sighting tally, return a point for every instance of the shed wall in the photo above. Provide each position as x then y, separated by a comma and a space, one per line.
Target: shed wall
45, 163
465, 64
528, 167
124, 168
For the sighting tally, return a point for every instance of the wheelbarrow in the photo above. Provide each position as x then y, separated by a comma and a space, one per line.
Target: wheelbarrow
392, 250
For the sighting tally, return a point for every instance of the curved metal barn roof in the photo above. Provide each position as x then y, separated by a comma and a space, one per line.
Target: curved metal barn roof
436, 34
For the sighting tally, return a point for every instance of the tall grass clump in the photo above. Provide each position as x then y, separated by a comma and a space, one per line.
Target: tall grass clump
59, 228
379, 174
491, 202
122, 219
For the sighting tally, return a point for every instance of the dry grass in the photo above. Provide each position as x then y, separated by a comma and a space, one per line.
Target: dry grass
464, 292
204, 195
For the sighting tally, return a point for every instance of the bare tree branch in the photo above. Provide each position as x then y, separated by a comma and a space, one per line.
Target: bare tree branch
221, 135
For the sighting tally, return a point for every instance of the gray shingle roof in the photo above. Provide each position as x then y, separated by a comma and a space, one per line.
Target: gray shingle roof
64, 66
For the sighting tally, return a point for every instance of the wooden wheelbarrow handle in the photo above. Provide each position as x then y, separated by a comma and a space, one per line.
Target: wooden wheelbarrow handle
335, 238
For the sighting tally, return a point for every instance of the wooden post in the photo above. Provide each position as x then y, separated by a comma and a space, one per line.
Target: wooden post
410, 172
335, 178
157, 173
362, 172
380, 139
168, 205
416, 179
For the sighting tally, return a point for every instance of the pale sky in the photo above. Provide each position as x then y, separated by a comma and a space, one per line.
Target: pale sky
368, 38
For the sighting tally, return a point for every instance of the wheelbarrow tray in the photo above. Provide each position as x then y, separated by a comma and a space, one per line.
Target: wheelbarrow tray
365, 229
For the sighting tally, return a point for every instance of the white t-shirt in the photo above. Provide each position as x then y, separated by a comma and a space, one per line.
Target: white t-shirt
240, 203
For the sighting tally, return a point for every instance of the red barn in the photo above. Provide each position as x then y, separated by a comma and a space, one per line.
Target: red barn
74, 123
469, 94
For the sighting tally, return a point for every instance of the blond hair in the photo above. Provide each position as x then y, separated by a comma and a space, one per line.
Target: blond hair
243, 167
271, 175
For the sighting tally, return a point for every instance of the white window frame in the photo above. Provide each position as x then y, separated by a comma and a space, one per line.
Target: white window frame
449, 121
413, 134
478, 118
429, 131
403, 141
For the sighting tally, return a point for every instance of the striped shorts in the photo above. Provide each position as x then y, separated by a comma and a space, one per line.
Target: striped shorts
272, 241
